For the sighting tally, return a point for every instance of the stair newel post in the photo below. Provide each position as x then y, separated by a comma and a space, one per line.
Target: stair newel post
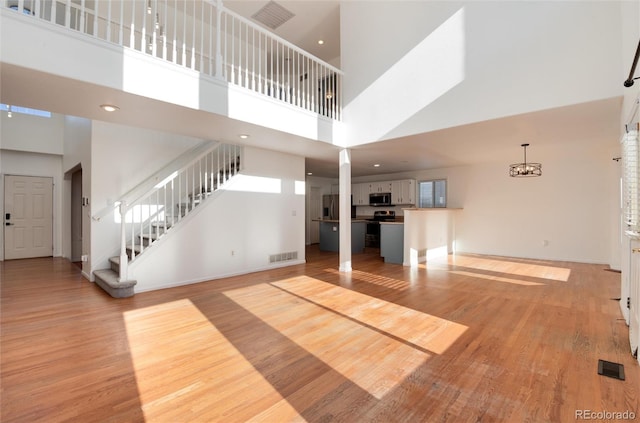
124, 260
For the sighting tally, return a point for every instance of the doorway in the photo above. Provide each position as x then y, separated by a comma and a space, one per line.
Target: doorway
28, 219
76, 216
315, 212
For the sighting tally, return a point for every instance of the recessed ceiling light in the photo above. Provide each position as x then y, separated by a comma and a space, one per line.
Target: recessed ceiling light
243, 136
376, 165
321, 42
309, 173
109, 107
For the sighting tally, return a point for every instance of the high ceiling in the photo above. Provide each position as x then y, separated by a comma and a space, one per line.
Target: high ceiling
313, 21
558, 132
496, 140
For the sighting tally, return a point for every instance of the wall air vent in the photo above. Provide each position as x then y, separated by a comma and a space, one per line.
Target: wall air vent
272, 15
277, 258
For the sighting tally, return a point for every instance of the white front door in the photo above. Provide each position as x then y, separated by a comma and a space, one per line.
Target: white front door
28, 219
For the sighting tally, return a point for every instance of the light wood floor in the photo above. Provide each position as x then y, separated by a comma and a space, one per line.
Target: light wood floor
467, 338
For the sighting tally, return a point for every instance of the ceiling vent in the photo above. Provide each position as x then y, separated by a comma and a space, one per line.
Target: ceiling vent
272, 15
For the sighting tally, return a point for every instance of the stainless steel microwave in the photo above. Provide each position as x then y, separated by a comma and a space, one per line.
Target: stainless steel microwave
380, 199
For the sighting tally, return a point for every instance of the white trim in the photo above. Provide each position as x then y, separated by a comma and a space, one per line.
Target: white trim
222, 276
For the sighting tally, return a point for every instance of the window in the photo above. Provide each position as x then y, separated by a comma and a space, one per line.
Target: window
432, 193
24, 110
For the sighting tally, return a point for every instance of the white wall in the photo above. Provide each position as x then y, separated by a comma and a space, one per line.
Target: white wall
568, 207
413, 67
36, 134
236, 230
325, 184
572, 206
77, 154
630, 17
123, 157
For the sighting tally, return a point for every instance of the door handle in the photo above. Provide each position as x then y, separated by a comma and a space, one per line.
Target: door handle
635, 250
9, 224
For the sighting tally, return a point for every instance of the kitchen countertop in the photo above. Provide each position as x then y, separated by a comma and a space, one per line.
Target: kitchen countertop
392, 223
429, 209
384, 221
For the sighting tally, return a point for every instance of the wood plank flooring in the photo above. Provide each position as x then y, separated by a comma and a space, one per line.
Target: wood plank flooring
464, 339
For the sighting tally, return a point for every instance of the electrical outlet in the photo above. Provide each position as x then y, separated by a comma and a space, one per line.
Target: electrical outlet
84, 257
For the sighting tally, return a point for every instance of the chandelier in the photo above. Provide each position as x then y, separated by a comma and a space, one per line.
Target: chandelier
524, 169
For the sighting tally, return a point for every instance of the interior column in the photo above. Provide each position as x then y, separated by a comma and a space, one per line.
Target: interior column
345, 210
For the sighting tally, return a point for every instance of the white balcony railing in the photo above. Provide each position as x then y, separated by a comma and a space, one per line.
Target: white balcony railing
204, 36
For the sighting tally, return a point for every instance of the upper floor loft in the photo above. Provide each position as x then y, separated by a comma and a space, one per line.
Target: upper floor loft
195, 54
420, 85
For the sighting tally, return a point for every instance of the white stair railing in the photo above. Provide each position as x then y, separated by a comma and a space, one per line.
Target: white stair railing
145, 220
204, 36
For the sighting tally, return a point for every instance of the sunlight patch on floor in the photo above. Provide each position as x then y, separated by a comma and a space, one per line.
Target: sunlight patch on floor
496, 278
511, 267
204, 375
379, 280
416, 328
371, 357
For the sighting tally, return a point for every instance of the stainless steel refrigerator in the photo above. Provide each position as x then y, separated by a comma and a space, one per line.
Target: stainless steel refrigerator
331, 207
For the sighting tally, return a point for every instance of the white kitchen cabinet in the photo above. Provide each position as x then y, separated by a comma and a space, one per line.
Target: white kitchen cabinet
403, 192
360, 194
373, 187
378, 187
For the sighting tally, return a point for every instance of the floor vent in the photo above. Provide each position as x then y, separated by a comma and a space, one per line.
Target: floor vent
277, 258
272, 15
609, 369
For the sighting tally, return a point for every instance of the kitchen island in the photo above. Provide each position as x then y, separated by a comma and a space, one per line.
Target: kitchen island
428, 233
330, 235
392, 242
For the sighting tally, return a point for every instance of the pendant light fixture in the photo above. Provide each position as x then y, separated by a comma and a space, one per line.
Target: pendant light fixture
524, 169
